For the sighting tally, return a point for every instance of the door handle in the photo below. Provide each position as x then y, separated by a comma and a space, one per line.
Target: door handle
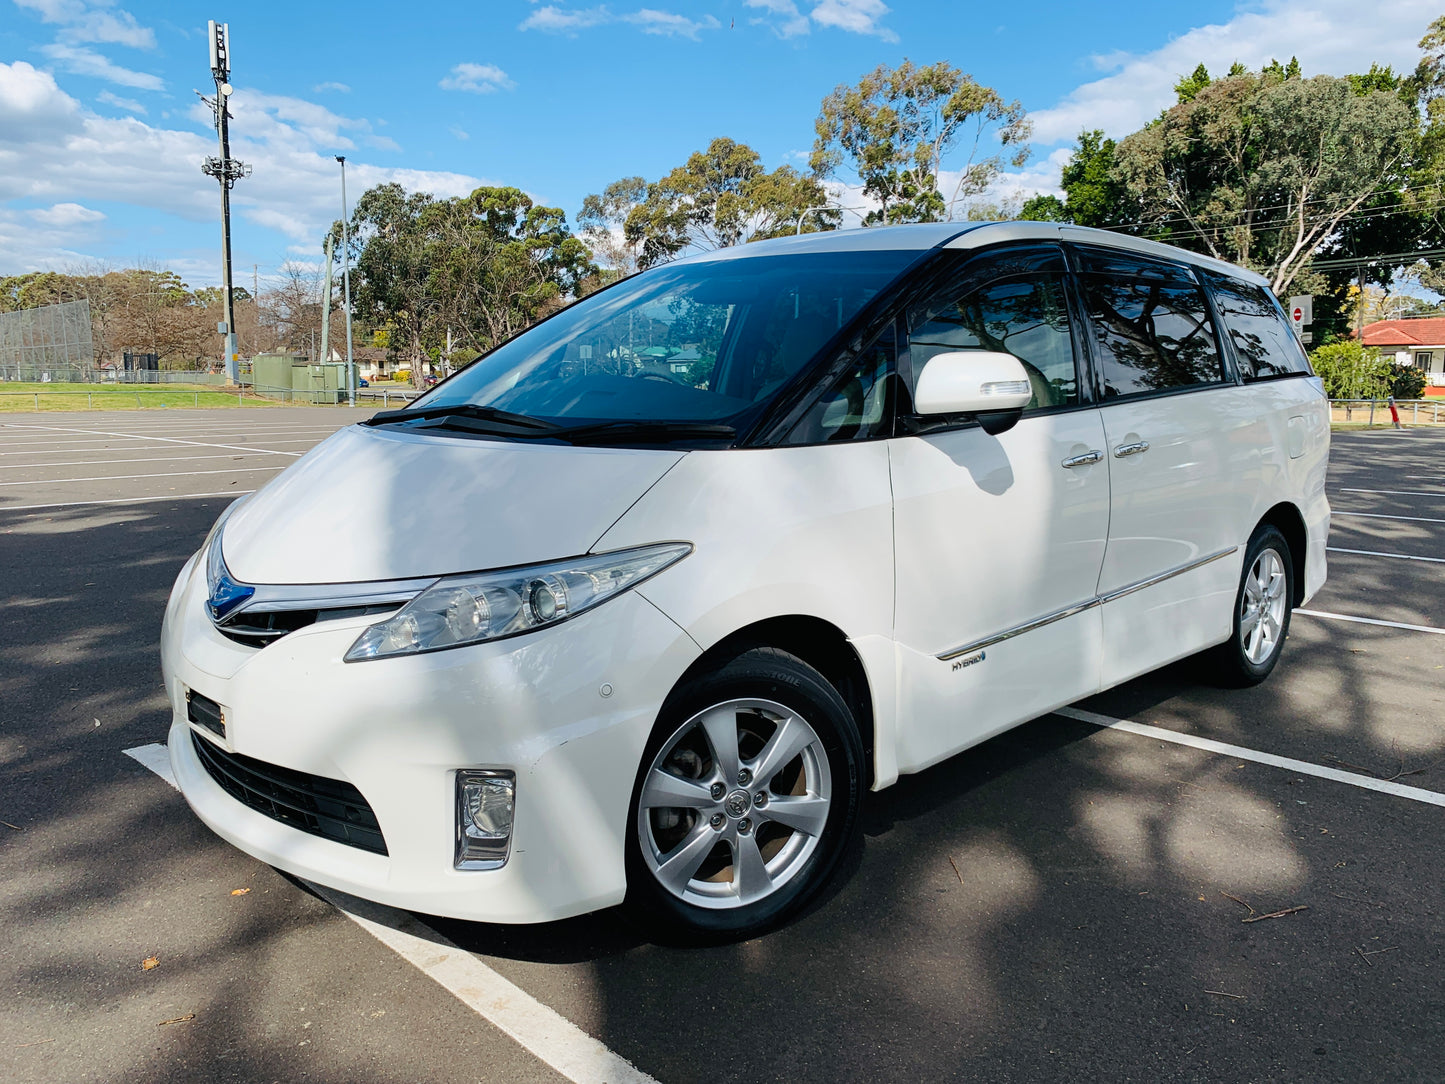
1085, 459
1131, 449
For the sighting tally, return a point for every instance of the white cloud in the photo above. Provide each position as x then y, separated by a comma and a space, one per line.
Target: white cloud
116, 100
554, 20
854, 16
459, 133
54, 150
787, 20
98, 22
857, 16
670, 25
84, 61
66, 214
1329, 36
340, 88
477, 78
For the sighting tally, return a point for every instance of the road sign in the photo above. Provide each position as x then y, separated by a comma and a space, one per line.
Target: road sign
1302, 311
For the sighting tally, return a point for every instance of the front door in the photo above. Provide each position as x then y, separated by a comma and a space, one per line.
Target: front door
998, 539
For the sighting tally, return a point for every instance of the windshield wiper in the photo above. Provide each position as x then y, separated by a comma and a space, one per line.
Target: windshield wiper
647, 432
493, 419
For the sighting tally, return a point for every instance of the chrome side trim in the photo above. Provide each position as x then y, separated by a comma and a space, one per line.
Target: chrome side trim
1078, 608
1152, 580
1019, 630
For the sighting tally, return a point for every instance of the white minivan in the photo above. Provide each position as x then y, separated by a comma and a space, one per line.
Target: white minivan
637, 606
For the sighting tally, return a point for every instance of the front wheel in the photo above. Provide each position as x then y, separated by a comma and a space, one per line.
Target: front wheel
1262, 608
747, 796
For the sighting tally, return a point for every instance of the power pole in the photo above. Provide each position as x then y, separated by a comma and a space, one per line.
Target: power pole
228, 171
326, 307
346, 284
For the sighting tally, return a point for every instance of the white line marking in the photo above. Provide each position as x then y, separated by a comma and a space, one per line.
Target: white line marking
1394, 492
107, 462
130, 477
1302, 767
1371, 621
167, 440
1377, 553
108, 441
541, 1030
1335, 513
124, 500
155, 757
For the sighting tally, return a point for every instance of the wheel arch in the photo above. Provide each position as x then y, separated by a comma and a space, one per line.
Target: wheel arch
820, 644
1287, 519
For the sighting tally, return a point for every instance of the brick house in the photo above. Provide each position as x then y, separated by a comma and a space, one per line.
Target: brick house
1417, 341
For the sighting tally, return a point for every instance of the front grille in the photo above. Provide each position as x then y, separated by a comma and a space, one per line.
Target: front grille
261, 628
203, 711
324, 807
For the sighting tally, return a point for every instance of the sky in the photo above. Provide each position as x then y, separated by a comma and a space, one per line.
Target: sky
102, 136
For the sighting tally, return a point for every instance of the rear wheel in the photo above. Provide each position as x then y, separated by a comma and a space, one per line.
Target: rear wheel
1262, 608
747, 796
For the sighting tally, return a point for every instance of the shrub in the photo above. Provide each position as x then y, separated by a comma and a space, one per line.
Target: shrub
1408, 383
1353, 371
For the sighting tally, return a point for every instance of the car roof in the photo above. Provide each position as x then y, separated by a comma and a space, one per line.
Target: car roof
921, 236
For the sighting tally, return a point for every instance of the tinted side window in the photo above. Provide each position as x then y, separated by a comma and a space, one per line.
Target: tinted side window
1014, 302
859, 405
1264, 345
1150, 325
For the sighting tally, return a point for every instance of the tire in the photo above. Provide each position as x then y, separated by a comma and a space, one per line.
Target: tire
714, 853
1261, 612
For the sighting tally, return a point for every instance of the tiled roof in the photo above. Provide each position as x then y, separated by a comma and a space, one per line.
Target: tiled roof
1426, 331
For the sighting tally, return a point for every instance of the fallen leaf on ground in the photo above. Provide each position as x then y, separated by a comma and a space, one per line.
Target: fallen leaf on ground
150, 962
177, 1020
239, 891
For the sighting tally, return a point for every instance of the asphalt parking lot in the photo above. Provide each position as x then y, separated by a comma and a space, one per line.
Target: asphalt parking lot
1249, 891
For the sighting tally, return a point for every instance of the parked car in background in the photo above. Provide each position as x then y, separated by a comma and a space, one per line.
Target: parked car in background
570, 631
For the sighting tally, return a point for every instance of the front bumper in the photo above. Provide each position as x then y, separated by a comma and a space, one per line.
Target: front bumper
398, 729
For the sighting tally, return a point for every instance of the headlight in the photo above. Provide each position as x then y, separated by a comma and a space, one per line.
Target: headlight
223, 594
479, 606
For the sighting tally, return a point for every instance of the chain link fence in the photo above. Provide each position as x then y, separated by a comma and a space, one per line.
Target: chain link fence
51, 339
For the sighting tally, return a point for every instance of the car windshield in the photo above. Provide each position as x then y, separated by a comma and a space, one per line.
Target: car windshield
700, 342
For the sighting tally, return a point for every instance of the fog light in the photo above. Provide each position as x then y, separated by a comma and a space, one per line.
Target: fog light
485, 800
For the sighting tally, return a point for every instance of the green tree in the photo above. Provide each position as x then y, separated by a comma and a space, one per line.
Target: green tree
603, 218
1095, 194
896, 129
722, 197
1040, 208
1262, 169
1189, 86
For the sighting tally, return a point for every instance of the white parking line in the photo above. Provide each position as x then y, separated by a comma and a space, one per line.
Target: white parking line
1371, 621
1302, 767
541, 1030
1377, 553
50, 448
108, 462
123, 500
1335, 513
130, 477
167, 440
1394, 492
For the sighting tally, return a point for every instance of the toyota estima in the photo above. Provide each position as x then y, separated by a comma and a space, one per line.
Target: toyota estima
639, 605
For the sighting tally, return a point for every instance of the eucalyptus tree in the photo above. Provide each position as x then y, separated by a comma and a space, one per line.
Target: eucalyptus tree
898, 129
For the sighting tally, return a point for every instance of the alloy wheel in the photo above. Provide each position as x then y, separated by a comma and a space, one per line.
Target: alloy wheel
734, 803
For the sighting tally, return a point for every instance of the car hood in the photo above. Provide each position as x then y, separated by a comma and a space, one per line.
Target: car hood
378, 504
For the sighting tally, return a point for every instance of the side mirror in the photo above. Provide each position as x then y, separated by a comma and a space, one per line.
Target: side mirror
987, 383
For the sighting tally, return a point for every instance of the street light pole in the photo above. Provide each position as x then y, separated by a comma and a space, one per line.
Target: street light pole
346, 284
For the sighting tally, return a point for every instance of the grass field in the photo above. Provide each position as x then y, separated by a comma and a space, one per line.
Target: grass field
17, 396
